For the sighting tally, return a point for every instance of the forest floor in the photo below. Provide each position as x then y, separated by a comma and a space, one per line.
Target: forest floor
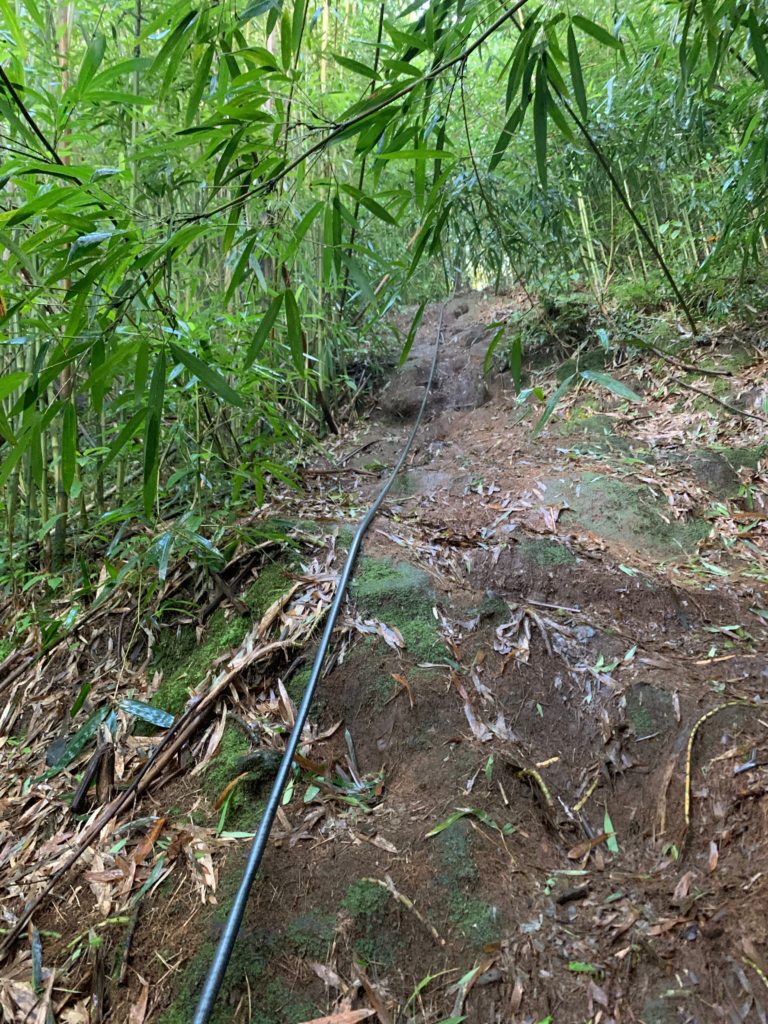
536, 780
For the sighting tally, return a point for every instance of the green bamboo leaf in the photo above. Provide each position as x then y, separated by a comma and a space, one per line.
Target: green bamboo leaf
91, 61
616, 386
356, 66
450, 820
494, 344
551, 405
297, 28
77, 743
85, 689
336, 233
84, 243
412, 332
286, 51
416, 154
69, 446
10, 381
505, 138
519, 61
329, 250
256, 9
261, 335
611, 842
758, 45
205, 373
558, 117
172, 42
22, 443
358, 276
302, 228
540, 103
577, 78
370, 204
516, 361
202, 78
241, 267
295, 333
597, 32
147, 713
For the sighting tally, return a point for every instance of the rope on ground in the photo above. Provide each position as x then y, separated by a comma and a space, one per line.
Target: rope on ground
221, 958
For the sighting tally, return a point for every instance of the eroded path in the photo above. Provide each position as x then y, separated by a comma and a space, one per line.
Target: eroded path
537, 783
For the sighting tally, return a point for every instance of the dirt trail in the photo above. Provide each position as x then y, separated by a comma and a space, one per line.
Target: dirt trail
561, 643
555, 718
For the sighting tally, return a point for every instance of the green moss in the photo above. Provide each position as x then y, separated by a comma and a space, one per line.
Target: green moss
250, 959
375, 942
749, 457
400, 595
379, 690
272, 581
475, 920
277, 1004
494, 608
297, 684
625, 514
365, 899
649, 709
224, 766
184, 662
454, 852
245, 807
546, 553
310, 935
6, 646
377, 948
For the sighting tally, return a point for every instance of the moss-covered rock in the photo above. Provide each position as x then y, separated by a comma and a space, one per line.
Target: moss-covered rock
626, 515
400, 595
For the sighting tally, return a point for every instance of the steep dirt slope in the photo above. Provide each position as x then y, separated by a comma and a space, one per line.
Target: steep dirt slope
537, 785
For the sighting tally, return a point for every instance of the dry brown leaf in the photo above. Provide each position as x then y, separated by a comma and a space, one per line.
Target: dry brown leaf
683, 887
77, 1014
104, 877
516, 999
403, 681
375, 999
138, 1011
479, 729
714, 856
145, 846
582, 849
228, 789
328, 976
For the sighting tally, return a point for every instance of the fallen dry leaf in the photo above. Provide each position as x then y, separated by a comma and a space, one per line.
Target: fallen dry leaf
138, 1011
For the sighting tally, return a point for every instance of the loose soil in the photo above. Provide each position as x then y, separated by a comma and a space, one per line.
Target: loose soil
552, 726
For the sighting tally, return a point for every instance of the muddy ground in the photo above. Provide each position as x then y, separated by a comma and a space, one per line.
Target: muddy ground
537, 785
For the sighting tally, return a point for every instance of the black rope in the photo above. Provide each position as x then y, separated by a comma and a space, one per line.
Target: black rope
218, 967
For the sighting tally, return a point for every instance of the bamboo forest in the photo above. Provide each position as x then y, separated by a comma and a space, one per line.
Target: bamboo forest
383, 512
